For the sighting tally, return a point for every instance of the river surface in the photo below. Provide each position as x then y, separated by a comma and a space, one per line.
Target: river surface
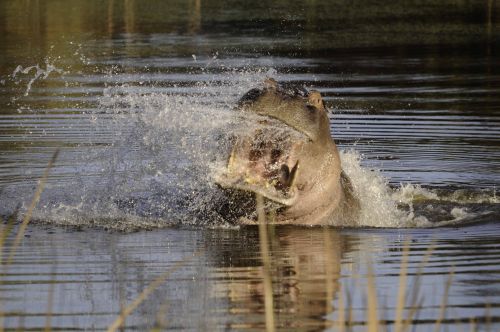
137, 96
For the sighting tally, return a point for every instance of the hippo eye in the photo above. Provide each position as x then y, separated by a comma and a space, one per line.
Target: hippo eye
313, 113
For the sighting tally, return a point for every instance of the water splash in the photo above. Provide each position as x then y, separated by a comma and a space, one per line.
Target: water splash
445, 207
155, 167
34, 73
378, 208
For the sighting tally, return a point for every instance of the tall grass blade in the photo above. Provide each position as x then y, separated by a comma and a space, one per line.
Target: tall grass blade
146, 292
472, 325
50, 303
4, 233
161, 322
21, 324
264, 254
6, 230
34, 201
349, 310
488, 317
341, 314
373, 321
402, 288
414, 300
444, 301
328, 271
413, 314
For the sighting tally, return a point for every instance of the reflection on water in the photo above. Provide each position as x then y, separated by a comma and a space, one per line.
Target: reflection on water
136, 94
223, 288
305, 269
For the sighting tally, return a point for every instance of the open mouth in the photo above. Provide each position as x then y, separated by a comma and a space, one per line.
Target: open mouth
265, 161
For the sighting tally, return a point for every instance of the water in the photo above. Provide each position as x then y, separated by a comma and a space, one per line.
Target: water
138, 98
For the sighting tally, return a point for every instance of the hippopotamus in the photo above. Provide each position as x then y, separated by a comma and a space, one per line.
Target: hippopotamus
288, 157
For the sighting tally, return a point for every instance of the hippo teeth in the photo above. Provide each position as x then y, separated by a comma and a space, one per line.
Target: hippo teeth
261, 167
288, 177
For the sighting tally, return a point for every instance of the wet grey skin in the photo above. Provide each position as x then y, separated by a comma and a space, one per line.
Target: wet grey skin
290, 158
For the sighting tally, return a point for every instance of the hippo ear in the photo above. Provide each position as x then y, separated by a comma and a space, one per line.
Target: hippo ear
314, 99
270, 83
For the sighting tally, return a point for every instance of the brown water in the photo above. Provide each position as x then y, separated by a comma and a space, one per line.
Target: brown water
138, 96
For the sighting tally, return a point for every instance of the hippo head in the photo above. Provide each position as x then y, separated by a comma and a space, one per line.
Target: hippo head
288, 156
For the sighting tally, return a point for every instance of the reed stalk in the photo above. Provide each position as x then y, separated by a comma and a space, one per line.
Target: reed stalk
473, 325
373, 321
29, 212
328, 270
119, 321
264, 254
488, 317
444, 302
50, 303
341, 315
402, 288
161, 322
6, 230
415, 302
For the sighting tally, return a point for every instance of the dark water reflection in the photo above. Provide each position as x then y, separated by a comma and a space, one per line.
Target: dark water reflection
413, 87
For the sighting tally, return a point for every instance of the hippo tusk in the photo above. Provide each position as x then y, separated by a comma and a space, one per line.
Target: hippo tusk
293, 174
288, 176
231, 164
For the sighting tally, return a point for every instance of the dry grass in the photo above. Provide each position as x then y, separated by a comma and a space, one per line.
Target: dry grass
402, 289
264, 254
345, 318
29, 212
120, 320
373, 320
50, 302
444, 301
7, 229
401, 324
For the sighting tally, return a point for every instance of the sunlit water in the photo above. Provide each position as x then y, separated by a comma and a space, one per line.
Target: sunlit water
140, 110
